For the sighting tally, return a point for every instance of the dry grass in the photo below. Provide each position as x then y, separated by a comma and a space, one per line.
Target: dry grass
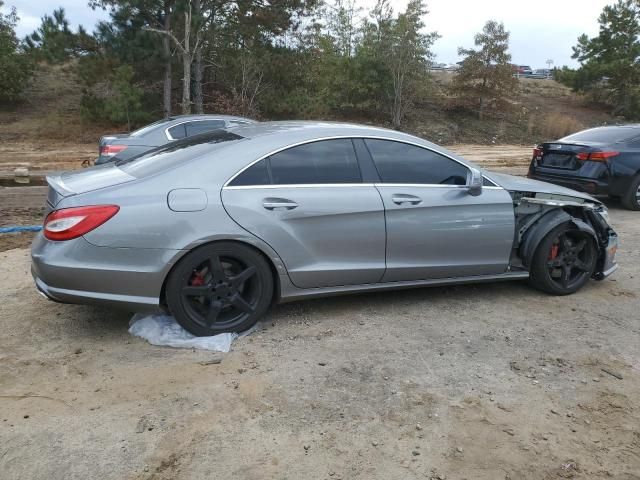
544, 88
557, 125
50, 110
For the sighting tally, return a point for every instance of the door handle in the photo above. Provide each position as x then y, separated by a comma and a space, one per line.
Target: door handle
402, 199
284, 203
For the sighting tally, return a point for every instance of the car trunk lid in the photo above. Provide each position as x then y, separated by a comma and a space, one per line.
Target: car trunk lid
66, 184
561, 156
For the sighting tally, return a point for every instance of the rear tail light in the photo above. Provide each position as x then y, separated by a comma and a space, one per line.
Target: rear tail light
69, 223
537, 152
596, 156
111, 150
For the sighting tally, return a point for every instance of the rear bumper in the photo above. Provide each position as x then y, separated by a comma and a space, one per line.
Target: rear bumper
77, 271
587, 185
82, 297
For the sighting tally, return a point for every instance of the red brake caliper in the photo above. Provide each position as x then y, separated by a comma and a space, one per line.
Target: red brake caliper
197, 280
554, 251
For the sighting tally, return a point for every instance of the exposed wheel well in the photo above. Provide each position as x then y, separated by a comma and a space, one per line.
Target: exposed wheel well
272, 267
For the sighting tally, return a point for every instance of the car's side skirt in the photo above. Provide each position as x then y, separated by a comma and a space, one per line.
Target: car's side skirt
289, 293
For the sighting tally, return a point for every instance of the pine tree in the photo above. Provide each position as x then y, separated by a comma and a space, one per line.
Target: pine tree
485, 78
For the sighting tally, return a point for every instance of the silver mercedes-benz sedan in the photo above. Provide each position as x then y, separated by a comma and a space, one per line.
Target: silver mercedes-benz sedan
217, 227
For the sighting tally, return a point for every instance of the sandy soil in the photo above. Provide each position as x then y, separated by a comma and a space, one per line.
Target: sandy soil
471, 382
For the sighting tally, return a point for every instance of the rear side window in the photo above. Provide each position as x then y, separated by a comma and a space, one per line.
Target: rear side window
178, 131
326, 161
193, 128
402, 163
256, 174
603, 135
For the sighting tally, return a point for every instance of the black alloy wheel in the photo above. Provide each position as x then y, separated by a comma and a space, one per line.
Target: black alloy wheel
564, 261
222, 287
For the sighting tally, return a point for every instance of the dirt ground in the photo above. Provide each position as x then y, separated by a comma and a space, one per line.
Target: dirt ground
494, 381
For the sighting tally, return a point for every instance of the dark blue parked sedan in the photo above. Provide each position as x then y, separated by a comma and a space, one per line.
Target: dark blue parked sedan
598, 161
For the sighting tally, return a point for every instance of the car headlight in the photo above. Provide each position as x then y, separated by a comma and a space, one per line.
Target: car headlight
604, 213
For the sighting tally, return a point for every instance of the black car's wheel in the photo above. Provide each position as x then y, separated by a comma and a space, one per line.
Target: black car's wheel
222, 287
631, 198
563, 261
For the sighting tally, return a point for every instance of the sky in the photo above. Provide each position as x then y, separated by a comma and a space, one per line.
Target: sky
540, 29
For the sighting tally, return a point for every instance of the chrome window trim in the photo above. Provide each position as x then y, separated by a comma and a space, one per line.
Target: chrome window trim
299, 185
334, 185
431, 185
170, 138
340, 137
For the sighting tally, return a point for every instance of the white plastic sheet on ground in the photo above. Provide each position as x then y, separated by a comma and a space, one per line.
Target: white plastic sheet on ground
164, 330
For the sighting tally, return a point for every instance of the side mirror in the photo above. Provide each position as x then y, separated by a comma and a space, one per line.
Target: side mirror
474, 183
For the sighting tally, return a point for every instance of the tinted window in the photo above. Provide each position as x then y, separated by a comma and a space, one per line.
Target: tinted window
401, 163
327, 161
193, 128
487, 183
256, 174
603, 135
177, 132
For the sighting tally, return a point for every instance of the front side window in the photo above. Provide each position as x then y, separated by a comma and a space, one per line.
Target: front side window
403, 163
326, 161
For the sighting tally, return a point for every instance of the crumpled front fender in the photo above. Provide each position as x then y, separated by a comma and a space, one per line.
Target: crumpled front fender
543, 226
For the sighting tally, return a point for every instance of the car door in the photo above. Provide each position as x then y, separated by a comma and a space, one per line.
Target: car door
309, 203
435, 228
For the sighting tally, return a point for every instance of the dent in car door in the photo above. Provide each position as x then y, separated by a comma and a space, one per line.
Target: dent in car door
445, 232
325, 235
435, 228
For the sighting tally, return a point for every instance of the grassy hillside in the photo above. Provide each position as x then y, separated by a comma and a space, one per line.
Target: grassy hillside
50, 115
543, 109
50, 111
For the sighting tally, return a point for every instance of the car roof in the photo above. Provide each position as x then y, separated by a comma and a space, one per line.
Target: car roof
302, 130
608, 134
252, 142
288, 133
204, 116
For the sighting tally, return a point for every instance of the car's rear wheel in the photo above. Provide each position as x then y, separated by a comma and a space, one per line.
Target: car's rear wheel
221, 287
631, 199
564, 260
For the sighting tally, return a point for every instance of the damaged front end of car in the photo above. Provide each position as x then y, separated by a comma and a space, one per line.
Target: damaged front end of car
538, 213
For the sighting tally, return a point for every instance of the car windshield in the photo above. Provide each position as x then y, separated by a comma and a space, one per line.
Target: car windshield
152, 126
176, 152
604, 135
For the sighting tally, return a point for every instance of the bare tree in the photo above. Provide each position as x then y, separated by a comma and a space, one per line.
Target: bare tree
166, 52
248, 83
197, 67
188, 47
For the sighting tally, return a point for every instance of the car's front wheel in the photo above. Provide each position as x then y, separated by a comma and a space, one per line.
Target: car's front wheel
564, 260
631, 198
221, 287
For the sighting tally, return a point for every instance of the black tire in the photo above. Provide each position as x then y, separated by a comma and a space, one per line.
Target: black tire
220, 287
631, 199
564, 261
